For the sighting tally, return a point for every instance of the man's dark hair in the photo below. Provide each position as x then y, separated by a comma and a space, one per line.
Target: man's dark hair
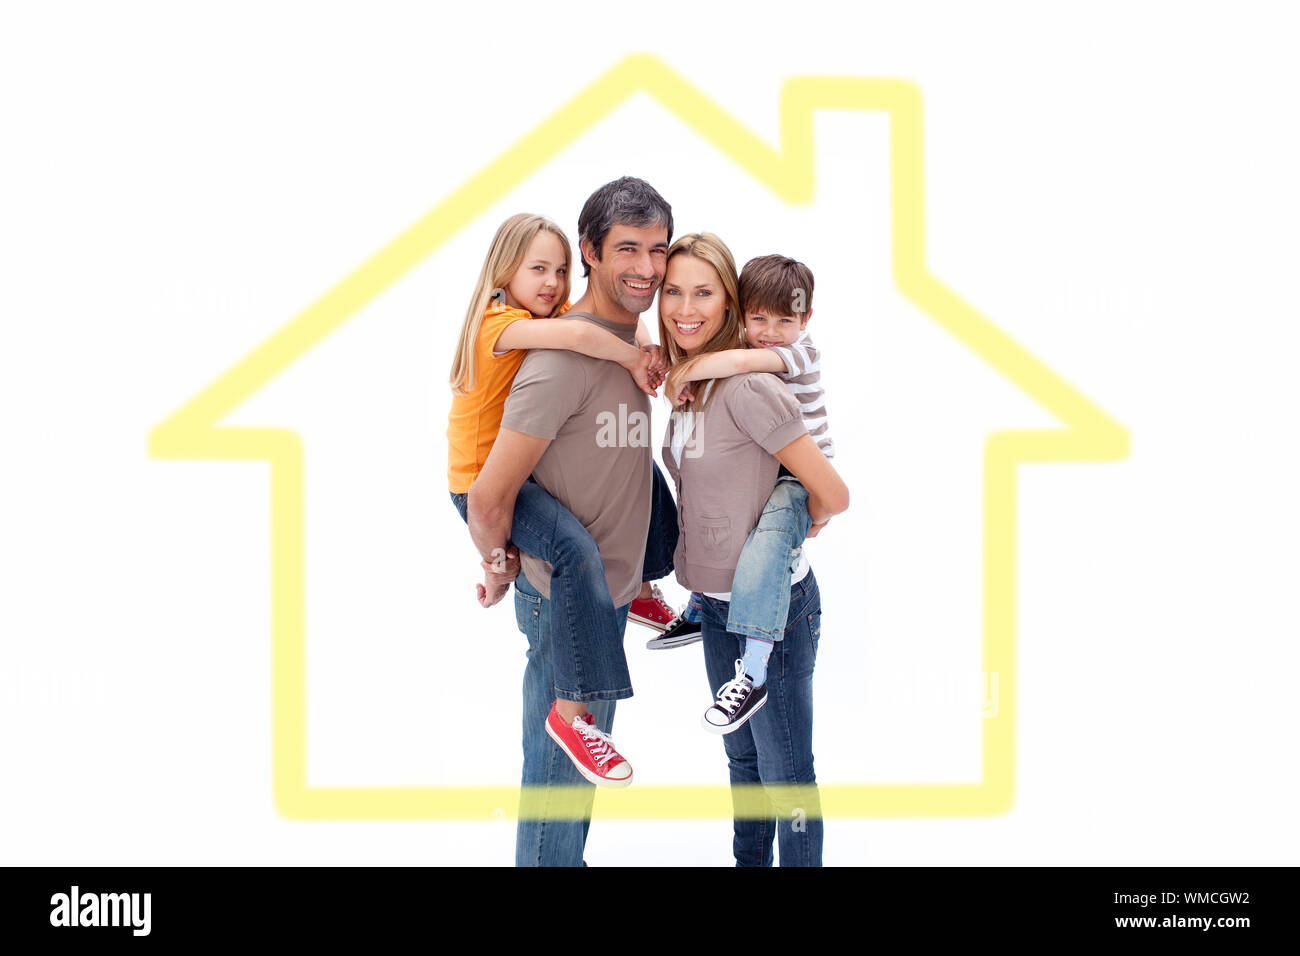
624, 202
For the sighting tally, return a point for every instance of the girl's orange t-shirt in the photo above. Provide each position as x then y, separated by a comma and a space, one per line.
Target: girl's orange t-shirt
475, 418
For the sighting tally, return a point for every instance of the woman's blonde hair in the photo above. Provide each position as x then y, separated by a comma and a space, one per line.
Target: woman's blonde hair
730, 335
507, 253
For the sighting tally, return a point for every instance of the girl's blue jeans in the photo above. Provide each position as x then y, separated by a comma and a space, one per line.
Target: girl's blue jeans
773, 786
587, 656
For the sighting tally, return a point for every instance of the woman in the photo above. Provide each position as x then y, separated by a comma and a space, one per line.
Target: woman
724, 453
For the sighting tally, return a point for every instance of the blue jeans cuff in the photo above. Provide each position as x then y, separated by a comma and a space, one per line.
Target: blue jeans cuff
750, 630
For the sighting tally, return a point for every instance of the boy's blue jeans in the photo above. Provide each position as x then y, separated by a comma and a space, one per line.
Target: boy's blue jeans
587, 660
774, 748
550, 833
760, 589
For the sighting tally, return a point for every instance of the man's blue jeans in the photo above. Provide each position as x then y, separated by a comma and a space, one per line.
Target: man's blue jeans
774, 748
587, 658
760, 588
661, 543
550, 833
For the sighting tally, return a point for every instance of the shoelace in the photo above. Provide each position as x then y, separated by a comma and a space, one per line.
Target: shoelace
731, 694
657, 595
598, 744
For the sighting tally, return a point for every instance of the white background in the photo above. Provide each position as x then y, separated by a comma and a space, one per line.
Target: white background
1111, 184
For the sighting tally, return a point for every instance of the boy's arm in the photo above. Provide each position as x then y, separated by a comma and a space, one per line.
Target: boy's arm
577, 336
722, 364
731, 362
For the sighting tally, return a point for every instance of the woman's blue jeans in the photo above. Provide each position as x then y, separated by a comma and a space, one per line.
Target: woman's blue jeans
773, 786
587, 656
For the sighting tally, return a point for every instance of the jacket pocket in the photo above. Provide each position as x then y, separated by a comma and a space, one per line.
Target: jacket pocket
715, 535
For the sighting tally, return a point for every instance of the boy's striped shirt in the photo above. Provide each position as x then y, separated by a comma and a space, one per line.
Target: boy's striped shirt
803, 375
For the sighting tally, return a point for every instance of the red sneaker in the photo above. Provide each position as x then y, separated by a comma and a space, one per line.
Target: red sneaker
591, 751
654, 612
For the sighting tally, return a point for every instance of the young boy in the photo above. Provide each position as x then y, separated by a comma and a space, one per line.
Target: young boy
776, 302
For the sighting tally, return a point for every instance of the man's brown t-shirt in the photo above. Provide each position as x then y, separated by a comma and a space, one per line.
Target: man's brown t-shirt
598, 462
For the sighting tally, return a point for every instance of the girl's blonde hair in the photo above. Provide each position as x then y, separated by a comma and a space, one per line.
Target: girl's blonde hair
507, 253
730, 335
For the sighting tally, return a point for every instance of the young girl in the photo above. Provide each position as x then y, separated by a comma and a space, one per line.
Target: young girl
523, 286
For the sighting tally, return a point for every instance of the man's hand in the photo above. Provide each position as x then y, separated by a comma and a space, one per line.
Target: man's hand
491, 506
816, 529
498, 574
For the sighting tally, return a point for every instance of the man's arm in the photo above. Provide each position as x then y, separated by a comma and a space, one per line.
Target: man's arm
491, 506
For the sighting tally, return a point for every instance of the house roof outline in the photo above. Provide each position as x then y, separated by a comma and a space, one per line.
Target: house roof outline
1088, 434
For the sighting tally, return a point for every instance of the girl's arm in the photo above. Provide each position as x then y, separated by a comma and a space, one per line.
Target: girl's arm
658, 357
576, 336
827, 493
567, 334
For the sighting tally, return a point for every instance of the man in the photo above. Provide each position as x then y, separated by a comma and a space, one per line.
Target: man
556, 428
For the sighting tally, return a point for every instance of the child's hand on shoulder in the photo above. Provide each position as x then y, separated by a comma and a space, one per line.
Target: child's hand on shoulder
658, 363
684, 394
639, 368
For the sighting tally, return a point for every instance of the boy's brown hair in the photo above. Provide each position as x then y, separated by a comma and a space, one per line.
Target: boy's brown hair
776, 285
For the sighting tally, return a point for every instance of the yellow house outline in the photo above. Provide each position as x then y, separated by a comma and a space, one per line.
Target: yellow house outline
1089, 435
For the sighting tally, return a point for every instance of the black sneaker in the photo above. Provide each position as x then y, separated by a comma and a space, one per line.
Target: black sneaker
680, 633
737, 701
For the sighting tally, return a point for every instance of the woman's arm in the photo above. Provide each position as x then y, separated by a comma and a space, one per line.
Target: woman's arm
827, 493
574, 335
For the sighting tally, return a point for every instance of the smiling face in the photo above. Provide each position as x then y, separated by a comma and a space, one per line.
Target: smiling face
765, 331
693, 304
541, 283
630, 268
